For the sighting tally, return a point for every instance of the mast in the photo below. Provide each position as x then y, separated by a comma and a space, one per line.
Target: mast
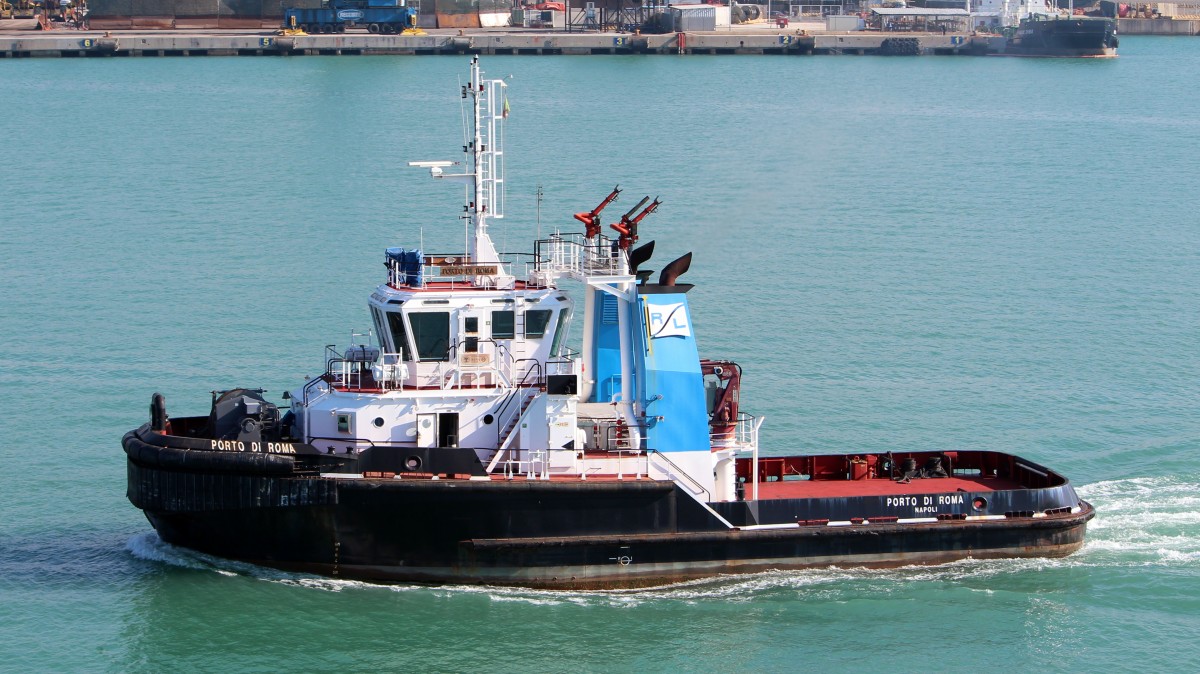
485, 180
487, 160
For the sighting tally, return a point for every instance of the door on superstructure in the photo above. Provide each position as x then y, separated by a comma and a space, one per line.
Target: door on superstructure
427, 430
475, 354
447, 435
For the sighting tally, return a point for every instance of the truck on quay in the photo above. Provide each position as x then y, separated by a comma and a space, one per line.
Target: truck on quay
335, 16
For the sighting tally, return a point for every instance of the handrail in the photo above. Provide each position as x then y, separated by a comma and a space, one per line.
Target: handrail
698, 488
369, 441
744, 439
573, 254
507, 266
536, 456
345, 374
561, 365
501, 365
611, 441
315, 380
636, 453
500, 347
537, 368
519, 390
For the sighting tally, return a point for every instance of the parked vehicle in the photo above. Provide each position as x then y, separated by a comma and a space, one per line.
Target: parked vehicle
335, 16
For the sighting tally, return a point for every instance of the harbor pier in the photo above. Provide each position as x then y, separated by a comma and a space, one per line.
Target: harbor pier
21, 44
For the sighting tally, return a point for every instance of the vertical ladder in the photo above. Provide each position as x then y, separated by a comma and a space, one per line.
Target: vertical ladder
491, 150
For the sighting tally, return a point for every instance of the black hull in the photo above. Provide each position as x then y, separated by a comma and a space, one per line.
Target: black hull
610, 562
551, 534
1076, 37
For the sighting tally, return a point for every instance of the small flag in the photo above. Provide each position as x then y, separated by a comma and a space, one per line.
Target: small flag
505, 113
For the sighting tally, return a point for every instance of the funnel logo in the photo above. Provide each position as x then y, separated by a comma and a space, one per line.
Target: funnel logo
668, 320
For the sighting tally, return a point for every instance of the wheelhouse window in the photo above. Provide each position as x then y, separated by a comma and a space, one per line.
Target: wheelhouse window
560, 330
399, 337
380, 332
431, 334
471, 329
536, 321
503, 324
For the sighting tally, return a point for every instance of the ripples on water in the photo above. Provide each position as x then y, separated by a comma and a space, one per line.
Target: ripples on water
933, 253
1051, 613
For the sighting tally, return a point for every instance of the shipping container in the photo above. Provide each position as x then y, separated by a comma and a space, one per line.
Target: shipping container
694, 18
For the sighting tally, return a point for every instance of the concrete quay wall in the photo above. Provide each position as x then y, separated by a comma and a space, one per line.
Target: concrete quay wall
261, 43
1158, 26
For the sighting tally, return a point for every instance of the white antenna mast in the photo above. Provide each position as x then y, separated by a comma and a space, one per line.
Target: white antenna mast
539, 211
485, 181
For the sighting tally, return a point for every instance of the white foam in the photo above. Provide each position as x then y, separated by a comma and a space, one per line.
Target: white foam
148, 546
823, 584
827, 584
1144, 521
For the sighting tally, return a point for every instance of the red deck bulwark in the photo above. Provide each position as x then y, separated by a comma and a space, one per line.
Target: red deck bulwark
876, 487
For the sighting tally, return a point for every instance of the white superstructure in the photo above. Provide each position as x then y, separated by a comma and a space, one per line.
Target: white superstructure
999, 14
469, 358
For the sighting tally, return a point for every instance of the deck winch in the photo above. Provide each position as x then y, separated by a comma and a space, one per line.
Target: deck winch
243, 415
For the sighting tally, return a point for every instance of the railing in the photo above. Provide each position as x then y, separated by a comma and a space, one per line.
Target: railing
509, 414
536, 467
676, 472
571, 255
433, 268
816, 9
314, 383
641, 463
1183, 10
381, 371
388, 371
634, 462
568, 364
499, 364
741, 435
614, 442
578, 257
364, 441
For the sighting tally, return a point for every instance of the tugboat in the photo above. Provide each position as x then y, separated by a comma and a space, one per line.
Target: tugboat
467, 443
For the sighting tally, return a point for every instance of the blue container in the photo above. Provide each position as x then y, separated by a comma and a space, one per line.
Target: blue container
412, 268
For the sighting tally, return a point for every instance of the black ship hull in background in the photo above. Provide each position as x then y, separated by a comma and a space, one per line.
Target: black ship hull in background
1091, 34
1073, 37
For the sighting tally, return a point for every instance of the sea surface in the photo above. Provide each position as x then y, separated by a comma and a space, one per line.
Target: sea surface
902, 253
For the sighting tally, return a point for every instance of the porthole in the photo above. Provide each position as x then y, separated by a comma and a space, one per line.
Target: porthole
488, 419
378, 422
413, 463
979, 503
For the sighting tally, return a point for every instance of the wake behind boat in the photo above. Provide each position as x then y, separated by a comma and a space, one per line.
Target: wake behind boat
468, 443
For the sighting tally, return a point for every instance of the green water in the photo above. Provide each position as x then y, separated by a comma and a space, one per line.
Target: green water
932, 253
